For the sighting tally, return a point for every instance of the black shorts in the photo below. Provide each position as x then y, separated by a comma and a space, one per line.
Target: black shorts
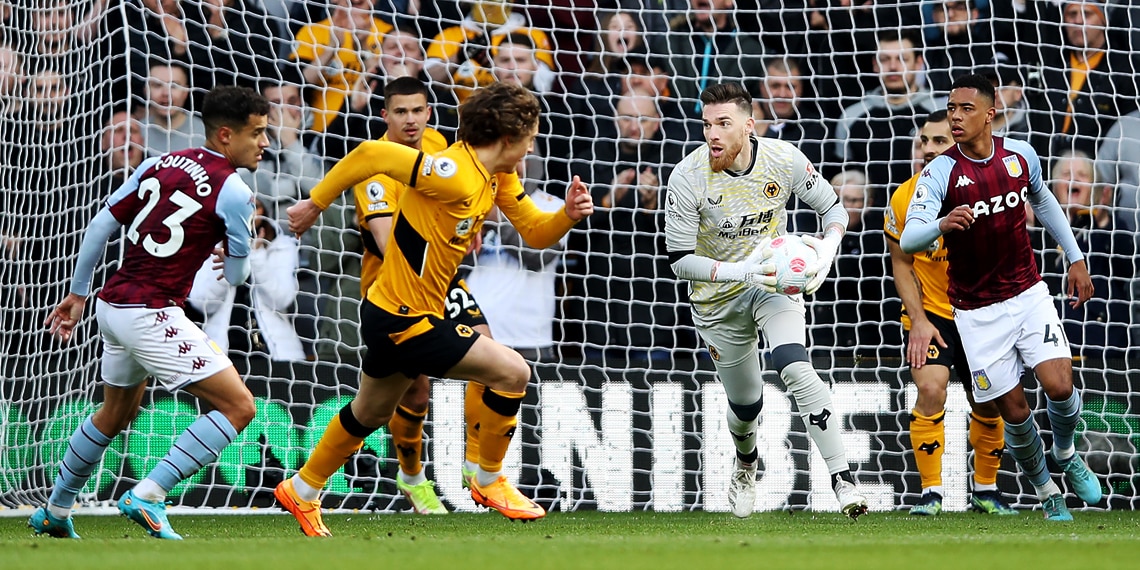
460, 306
411, 345
952, 357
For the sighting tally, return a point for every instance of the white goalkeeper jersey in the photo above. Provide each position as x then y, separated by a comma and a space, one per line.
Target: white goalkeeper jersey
725, 215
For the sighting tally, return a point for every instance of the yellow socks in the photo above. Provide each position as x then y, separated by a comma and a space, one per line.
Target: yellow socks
472, 412
344, 437
987, 437
928, 439
497, 422
407, 429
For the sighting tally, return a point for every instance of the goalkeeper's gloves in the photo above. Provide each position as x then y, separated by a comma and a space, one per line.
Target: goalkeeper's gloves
825, 249
752, 271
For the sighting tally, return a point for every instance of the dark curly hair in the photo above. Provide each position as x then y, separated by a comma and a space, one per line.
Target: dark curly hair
230, 106
500, 110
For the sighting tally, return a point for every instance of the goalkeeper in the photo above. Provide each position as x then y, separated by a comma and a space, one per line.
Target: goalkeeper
933, 346
726, 200
402, 322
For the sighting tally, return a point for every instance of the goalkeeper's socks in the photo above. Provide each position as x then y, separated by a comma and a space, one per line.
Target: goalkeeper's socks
198, 446
814, 401
928, 439
497, 424
407, 428
472, 414
987, 437
342, 439
1025, 445
742, 425
84, 451
1063, 418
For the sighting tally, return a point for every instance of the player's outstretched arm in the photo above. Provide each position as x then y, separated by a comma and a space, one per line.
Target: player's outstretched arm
63, 318
365, 161
542, 229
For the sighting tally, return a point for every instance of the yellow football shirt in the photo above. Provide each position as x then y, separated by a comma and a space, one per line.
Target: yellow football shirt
451, 194
312, 41
929, 266
377, 197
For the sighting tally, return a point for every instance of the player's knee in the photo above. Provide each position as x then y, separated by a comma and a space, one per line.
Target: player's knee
791, 361
241, 411
746, 412
111, 424
515, 373
787, 354
985, 409
931, 395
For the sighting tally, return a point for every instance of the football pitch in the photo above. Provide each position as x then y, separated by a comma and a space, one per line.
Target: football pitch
629, 541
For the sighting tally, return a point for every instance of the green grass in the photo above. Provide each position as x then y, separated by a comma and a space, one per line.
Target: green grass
628, 541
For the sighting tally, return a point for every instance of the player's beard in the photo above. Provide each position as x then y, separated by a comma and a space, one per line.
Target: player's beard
726, 158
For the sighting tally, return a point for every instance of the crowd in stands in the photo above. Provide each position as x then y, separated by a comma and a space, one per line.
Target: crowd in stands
89, 88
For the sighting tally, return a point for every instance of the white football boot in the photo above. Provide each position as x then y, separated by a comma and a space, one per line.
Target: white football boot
742, 489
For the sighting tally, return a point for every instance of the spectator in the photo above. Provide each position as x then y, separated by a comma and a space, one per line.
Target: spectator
287, 170
961, 43
592, 100
879, 130
167, 122
262, 321
620, 33
1100, 327
1084, 86
401, 54
850, 305
236, 45
141, 32
461, 55
629, 291
1011, 118
12, 83
839, 31
703, 46
783, 112
1118, 165
123, 149
334, 52
515, 60
788, 111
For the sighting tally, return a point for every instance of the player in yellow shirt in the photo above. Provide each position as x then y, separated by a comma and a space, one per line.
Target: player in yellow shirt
402, 321
406, 111
933, 347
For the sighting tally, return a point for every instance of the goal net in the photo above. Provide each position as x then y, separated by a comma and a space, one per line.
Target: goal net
624, 411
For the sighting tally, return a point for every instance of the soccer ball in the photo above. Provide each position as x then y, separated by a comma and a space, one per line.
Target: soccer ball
792, 257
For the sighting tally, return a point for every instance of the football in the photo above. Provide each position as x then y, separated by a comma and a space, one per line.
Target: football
792, 257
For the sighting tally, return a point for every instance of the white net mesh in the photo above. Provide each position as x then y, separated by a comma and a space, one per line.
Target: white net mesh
628, 413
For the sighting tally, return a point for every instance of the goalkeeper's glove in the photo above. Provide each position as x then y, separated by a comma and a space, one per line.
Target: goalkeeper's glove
825, 249
752, 271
